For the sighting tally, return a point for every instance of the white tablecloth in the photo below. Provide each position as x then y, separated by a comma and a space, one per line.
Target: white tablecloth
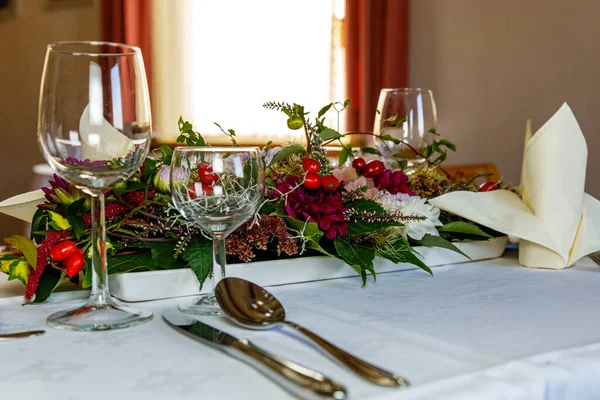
482, 330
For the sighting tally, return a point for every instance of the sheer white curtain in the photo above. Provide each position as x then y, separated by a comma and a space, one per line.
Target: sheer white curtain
219, 61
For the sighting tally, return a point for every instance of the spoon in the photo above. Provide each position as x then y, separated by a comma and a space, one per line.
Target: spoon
18, 335
252, 306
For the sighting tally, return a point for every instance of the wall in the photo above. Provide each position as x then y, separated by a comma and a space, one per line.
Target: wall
22, 51
494, 64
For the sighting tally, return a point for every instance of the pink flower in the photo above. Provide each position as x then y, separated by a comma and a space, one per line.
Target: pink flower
345, 174
365, 185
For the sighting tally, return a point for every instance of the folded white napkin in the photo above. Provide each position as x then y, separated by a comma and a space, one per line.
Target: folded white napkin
556, 221
99, 139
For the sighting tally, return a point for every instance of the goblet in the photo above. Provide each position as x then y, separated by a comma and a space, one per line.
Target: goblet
93, 130
217, 189
408, 115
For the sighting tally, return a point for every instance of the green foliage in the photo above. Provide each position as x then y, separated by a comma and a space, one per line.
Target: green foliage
26, 246
188, 135
286, 151
463, 228
38, 223
369, 206
401, 252
58, 222
360, 258
199, 256
166, 154
49, 281
19, 269
309, 233
438, 241
5, 261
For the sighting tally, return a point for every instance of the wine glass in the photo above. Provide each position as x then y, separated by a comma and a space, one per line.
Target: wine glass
93, 130
407, 115
217, 189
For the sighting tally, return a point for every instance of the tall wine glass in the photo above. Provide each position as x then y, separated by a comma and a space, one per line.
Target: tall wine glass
217, 189
94, 129
408, 115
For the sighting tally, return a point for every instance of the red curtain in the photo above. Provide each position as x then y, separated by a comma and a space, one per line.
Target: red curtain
129, 22
376, 39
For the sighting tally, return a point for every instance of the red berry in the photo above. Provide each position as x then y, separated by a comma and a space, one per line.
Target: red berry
330, 183
74, 264
310, 165
204, 168
312, 181
358, 163
373, 168
63, 250
488, 187
209, 178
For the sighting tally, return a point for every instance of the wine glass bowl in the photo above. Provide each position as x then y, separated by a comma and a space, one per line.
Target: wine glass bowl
94, 129
217, 189
408, 116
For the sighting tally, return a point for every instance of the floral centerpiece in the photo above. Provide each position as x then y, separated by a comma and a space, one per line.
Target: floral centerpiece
348, 208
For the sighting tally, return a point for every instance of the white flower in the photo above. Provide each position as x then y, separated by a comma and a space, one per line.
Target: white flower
412, 206
269, 154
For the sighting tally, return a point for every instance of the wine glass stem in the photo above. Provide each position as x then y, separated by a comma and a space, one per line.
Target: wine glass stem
219, 259
100, 293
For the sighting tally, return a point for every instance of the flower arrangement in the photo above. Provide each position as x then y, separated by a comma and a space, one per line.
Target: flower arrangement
354, 208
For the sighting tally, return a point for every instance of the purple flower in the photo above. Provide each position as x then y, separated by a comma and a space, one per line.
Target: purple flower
326, 209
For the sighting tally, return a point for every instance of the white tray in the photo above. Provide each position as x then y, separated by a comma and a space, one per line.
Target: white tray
153, 285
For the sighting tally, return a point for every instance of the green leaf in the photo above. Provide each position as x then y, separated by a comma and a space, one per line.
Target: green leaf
370, 150
463, 227
448, 144
391, 139
5, 262
358, 257
199, 256
58, 222
167, 153
38, 223
20, 270
344, 154
400, 252
87, 278
78, 225
122, 263
77, 207
286, 151
328, 134
149, 170
49, 281
432, 130
26, 246
324, 110
438, 241
347, 103
162, 254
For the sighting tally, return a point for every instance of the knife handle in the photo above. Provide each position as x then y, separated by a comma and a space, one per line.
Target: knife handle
301, 381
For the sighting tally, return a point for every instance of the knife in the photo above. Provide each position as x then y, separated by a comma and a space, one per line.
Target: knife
297, 379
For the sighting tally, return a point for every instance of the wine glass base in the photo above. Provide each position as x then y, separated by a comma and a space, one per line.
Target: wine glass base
206, 305
98, 317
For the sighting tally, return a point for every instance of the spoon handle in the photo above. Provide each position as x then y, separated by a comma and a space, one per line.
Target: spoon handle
18, 335
366, 370
303, 382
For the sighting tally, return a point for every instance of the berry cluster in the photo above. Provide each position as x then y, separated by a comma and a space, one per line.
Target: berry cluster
69, 256
314, 181
385, 179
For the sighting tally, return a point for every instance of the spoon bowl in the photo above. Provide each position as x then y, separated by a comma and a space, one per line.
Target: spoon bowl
248, 304
254, 307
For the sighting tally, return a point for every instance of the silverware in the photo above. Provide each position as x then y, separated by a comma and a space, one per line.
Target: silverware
19, 335
595, 257
299, 380
253, 307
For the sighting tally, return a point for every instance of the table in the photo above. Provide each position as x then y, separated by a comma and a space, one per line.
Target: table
481, 330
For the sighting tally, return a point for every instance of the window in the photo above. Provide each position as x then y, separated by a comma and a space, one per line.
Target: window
219, 61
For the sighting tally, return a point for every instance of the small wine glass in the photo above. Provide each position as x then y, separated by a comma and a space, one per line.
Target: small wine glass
408, 115
93, 130
217, 189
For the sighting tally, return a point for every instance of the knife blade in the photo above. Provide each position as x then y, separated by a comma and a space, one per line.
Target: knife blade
301, 381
